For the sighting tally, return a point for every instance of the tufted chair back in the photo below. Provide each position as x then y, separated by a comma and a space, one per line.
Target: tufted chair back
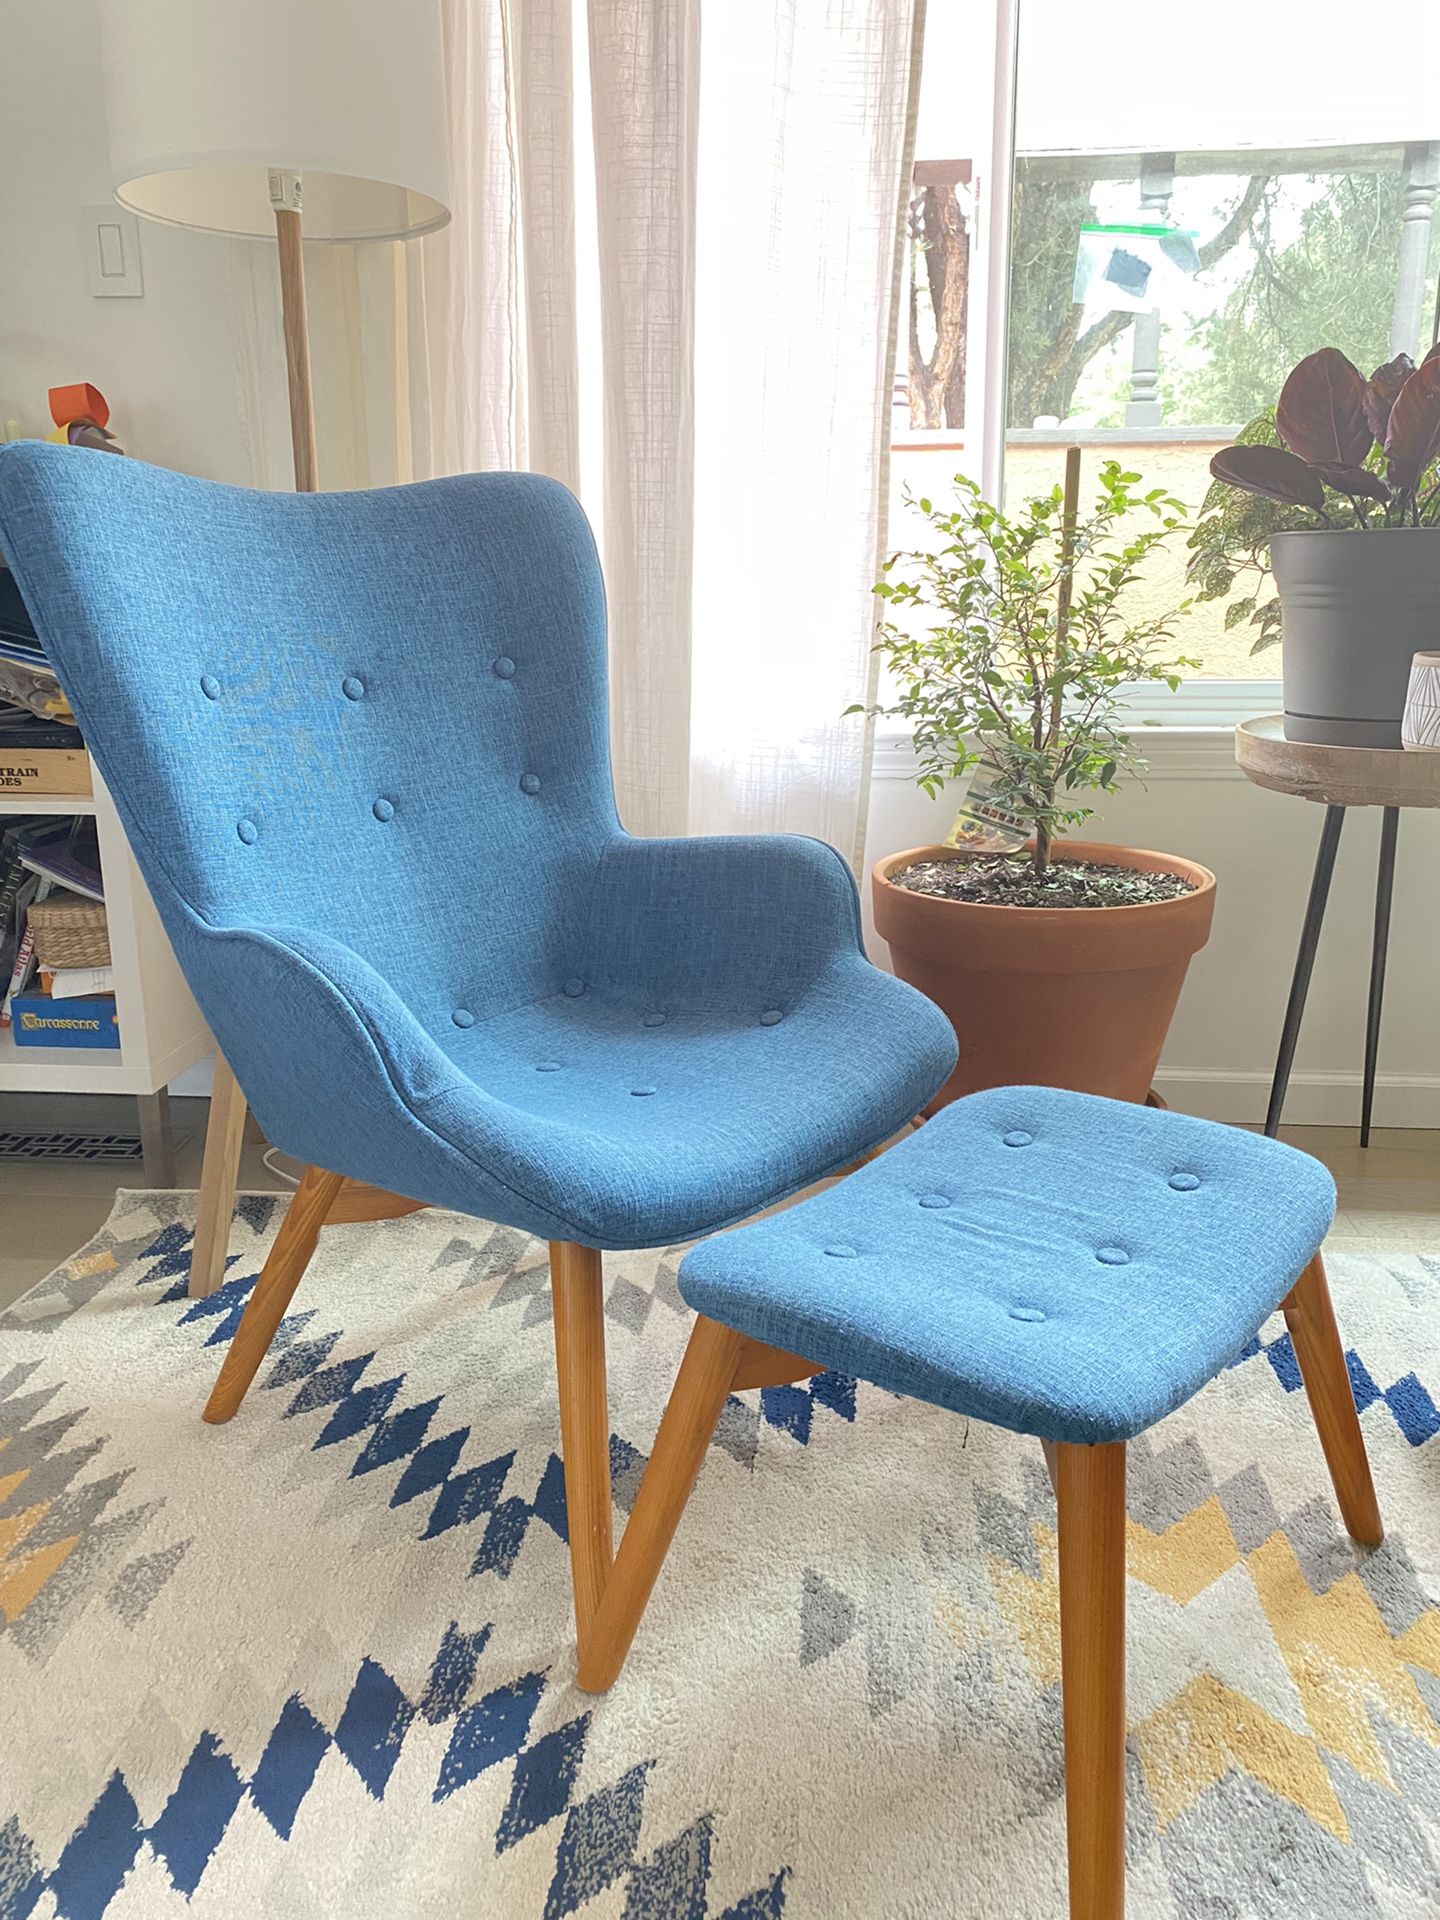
377, 718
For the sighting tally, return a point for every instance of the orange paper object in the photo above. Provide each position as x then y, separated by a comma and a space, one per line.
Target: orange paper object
79, 402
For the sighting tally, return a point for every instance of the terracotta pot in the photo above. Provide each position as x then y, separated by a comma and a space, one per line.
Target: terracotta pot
1075, 997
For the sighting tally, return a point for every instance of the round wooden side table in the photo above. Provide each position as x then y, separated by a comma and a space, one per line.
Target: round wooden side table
1337, 778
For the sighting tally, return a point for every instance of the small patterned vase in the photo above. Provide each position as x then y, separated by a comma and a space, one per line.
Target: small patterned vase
1420, 727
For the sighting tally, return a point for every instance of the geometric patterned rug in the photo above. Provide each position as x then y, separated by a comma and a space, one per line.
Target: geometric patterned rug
319, 1661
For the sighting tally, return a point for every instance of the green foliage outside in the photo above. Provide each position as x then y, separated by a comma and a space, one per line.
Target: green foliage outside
1332, 286
1329, 281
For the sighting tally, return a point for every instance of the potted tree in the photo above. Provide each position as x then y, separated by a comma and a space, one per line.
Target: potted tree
1057, 964
1341, 457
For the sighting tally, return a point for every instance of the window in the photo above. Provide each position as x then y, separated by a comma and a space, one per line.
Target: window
1159, 300
1183, 231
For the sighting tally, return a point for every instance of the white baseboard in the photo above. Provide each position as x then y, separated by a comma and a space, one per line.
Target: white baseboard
1325, 1099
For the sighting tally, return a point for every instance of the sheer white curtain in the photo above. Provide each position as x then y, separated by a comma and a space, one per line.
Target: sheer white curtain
726, 319
500, 344
805, 140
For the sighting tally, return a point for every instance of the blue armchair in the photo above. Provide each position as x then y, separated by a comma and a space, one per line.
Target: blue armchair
359, 743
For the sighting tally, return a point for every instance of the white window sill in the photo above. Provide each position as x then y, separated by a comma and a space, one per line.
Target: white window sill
1202, 703
1188, 734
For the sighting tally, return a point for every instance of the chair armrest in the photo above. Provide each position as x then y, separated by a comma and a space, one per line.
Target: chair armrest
326, 1052
700, 916
341, 1074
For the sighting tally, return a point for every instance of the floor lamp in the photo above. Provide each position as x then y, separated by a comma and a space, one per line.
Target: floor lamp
226, 117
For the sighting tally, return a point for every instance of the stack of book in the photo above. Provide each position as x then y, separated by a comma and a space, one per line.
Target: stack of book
41, 751
56, 984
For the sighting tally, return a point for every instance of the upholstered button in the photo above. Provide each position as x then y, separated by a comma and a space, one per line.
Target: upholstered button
1184, 1182
352, 688
573, 989
529, 783
248, 831
771, 1017
641, 1093
841, 1253
384, 809
934, 1200
655, 1019
1026, 1313
463, 1017
209, 686
547, 1066
1017, 1137
503, 668
1113, 1256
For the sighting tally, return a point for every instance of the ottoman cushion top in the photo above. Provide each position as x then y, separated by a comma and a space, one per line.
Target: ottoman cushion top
1061, 1265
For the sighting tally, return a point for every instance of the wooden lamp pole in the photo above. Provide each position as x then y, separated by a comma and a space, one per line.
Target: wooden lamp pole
285, 198
225, 1133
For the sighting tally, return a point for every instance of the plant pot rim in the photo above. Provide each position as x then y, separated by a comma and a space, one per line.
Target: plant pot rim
1344, 533
1092, 850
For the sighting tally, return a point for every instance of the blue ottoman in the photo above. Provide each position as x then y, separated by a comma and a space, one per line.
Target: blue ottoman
1067, 1267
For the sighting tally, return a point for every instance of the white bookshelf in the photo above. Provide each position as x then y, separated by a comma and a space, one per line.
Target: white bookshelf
161, 1029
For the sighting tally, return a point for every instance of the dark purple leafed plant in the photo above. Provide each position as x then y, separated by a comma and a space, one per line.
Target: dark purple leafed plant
1336, 426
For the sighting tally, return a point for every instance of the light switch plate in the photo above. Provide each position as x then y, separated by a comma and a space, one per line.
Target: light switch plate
111, 238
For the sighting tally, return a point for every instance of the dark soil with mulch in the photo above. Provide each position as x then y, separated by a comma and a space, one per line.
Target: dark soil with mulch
1000, 882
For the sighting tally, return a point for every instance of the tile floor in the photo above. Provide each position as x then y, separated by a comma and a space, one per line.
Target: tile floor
1389, 1193
48, 1208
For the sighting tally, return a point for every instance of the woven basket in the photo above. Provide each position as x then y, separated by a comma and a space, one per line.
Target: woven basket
69, 932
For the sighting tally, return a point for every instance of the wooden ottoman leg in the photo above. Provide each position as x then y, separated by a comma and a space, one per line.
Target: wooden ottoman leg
286, 1261
1090, 1490
702, 1385
224, 1136
577, 1291
1321, 1354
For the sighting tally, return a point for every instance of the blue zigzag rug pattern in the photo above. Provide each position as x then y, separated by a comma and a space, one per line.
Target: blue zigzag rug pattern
320, 1660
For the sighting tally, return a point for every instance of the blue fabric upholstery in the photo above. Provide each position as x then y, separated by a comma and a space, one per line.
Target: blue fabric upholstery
1053, 1263
359, 743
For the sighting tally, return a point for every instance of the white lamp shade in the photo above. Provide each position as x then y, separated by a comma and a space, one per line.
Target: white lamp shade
206, 96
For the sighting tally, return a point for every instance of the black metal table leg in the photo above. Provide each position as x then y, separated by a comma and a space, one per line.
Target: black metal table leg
1304, 963
1384, 887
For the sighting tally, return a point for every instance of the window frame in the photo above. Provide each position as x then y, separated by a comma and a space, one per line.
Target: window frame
1202, 703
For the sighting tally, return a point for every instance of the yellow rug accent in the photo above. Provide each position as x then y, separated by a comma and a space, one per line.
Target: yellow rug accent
23, 1575
1030, 1607
1192, 1742
86, 1264
1341, 1656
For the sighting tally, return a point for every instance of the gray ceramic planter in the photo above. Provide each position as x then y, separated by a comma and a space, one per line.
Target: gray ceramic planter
1356, 607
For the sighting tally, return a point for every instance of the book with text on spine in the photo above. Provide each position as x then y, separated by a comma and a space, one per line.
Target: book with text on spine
40, 1021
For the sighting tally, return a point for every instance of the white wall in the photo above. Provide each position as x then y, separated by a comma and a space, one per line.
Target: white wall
167, 363
1261, 847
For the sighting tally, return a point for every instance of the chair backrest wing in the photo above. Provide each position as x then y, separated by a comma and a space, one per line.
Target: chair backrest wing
379, 717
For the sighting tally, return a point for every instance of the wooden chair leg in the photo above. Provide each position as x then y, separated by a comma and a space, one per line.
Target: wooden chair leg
1321, 1354
704, 1381
577, 1292
224, 1137
1090, 1491
287, 1260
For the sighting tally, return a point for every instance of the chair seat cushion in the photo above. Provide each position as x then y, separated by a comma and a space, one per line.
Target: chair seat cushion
1054, 1263
625, 1123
